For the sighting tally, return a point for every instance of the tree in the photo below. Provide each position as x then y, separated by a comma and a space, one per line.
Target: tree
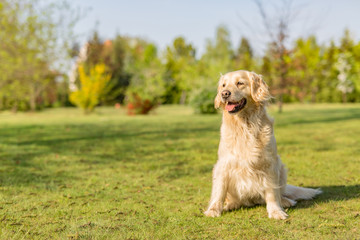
94, 52
279, 34
348, 67
147, 85
216, 60
304, 65
34, 44
356, 79
92, 87
116, 52
218, 56
327, 82
276, 26
112, 53
345, 84
243, 58
147, 76
180, 65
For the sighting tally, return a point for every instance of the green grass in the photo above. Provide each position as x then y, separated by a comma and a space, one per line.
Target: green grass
64, 175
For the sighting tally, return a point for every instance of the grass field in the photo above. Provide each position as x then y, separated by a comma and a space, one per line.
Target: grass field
64, 175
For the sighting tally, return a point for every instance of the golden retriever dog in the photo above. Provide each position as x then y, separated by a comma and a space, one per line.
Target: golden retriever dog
249, 170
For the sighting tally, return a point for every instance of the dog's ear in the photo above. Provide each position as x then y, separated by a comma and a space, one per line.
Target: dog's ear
259, 89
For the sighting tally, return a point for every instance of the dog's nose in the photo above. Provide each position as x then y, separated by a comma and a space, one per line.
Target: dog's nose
225, 94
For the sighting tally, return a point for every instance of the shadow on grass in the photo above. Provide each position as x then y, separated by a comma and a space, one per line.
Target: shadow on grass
318, 116
31, 154
94, 132
332, 193
26, 150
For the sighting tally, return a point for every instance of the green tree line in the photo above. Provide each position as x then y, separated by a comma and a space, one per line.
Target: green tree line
133, 72
313, 72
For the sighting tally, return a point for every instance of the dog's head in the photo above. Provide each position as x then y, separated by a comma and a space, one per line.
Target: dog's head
237, 90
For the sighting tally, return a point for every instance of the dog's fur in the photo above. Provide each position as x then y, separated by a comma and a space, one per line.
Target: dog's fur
248, 170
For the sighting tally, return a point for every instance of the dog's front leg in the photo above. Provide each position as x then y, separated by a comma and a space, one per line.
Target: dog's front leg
218, 193
274, 209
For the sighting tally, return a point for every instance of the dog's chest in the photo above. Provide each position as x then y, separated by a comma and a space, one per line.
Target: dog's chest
242, 144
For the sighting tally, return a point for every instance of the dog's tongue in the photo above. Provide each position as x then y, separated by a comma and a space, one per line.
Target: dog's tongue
230, 107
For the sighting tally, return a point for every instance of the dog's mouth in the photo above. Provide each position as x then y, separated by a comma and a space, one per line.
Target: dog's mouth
233, 107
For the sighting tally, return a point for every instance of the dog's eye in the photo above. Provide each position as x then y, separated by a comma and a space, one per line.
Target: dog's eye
240, 83
223, 84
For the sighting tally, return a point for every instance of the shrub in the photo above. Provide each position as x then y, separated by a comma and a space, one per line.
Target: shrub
147, 85
92, 87
137, 105
203, 100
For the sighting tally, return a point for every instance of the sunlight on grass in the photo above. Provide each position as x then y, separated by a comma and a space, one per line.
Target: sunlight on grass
112, 176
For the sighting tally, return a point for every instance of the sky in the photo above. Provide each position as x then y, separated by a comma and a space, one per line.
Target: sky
161, 21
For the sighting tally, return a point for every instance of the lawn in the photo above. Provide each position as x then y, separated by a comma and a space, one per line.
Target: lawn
64, 175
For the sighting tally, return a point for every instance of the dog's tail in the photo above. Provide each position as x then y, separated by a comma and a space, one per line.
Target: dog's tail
296, 193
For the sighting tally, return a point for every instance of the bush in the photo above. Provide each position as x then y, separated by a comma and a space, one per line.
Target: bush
137, 105
203, 100
93, 86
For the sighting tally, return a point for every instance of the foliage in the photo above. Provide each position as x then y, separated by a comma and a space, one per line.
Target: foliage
343, 66
218, 56
217, 59
110, 176
147, 85
180, 69
313, 71
327, 91
244, 57
34, 43
348, 68
304, 63
137, 105
112, 53
203, 100
92, 87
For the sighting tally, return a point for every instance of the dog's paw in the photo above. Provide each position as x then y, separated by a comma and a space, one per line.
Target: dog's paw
278, 214
287, 202
212, 213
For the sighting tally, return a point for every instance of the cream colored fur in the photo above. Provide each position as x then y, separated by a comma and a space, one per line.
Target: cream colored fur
249, 170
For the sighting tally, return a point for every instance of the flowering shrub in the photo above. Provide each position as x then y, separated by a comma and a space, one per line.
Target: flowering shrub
92, 87
137, 105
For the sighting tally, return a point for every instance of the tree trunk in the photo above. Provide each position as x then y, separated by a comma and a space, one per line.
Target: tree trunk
344, 97
14, 107
313, 95
283, 68
32, 102
283, 71
183, 98
281, 102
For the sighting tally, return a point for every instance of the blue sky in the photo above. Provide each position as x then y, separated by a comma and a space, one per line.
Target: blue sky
160, 21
